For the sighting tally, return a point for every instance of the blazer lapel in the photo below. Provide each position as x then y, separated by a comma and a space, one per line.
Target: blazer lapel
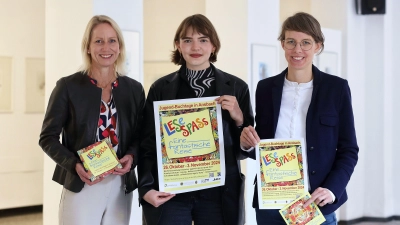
223, 84
170, 90
311, 109
277, 97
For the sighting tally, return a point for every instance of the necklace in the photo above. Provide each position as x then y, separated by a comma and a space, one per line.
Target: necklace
105, 85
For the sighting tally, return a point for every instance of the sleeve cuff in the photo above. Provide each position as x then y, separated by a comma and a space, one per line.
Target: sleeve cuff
246, 150
333, 197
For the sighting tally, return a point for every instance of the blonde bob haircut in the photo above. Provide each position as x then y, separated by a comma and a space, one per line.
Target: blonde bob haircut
119, 65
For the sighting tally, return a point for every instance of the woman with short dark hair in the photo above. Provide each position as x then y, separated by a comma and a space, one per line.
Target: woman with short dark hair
304, 102
196, 46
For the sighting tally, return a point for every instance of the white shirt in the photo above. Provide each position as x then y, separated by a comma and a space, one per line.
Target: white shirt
296, 99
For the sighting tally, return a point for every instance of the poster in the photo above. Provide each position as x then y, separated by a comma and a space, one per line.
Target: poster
295, 214
99, 159
264, 64
282, 176
328, 62
190, 148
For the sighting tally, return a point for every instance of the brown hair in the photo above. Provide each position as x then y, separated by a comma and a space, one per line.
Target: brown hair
305, 23
199, 24
87, 36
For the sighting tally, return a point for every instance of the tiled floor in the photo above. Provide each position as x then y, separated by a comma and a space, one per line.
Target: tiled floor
397, 222
22, 216
33, 216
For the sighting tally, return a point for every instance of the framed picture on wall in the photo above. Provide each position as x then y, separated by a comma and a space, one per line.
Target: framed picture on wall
328, 62
132, 46
264, 63
35, 85
5, 84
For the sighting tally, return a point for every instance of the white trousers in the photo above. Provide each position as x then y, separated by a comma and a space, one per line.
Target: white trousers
104, 203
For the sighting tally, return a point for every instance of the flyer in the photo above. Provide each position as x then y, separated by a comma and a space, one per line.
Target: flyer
99, 159
190, 147
295, 214
282, 176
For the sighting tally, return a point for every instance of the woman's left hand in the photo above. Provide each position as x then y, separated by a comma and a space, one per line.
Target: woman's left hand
126, 163
321, 196
230, 103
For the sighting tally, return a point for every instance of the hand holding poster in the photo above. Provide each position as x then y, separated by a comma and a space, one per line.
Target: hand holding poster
190, 153
99, 159
281, 177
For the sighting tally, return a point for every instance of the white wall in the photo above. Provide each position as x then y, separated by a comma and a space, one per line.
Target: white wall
368, 58
129, 16
232, 57
161, 20
21, 160
393, 57
65, 25
390, 36
263, 28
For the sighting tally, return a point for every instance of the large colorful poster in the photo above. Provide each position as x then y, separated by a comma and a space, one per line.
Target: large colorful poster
190, 147
282, 174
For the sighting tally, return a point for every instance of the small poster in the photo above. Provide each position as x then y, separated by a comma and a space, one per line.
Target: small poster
282, 176
99, 159
295, 214
190, 147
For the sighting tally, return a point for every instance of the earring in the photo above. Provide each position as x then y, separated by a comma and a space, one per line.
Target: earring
212, 53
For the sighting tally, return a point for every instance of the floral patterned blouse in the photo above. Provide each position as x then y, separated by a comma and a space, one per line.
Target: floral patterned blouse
107, 125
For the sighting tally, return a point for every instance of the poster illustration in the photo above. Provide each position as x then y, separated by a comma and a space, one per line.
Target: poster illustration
282, 176
99, 159
190, 148
295, 214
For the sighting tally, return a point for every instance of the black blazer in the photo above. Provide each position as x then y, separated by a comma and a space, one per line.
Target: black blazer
74, 109
166, 88
332, 150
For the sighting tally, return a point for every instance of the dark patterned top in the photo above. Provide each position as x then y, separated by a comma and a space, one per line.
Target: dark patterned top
200, 80
107, 125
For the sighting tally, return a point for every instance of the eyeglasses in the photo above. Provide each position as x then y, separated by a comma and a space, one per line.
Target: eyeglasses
291, 44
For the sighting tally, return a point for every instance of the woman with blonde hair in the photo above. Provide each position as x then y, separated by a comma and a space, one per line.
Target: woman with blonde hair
95, 103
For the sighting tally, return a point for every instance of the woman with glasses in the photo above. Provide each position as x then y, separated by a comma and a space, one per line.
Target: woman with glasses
304, 102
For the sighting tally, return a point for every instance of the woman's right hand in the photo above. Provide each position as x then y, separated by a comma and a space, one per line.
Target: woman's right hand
157, 198
249, 137
85, 177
